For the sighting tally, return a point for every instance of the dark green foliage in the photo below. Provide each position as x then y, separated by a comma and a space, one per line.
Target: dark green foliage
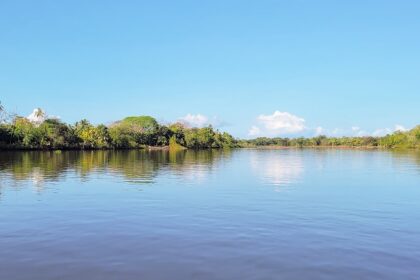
143, 131
224, 140
53, 133
6, 137
132, 132
162, 136
207, 138
199, 138
121, 138
178, 131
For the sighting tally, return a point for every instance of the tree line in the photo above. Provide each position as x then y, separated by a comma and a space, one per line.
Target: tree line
132, 132
398, 139
144, 131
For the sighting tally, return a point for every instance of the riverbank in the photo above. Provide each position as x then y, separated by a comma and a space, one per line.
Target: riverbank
146, 148
181, 148
144, 132
312, 147
132, 132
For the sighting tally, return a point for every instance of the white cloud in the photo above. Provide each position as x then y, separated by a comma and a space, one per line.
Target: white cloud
363, 133
285, 124
37, 116
356, 131
277, 124
200, 120
195, 120
401, 128
339, 132
381, 132
385, 131
336, 132
319, 131
254, 131
282, 122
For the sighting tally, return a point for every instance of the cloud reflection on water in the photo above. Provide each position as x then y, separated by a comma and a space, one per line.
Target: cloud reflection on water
276, 167
279, 168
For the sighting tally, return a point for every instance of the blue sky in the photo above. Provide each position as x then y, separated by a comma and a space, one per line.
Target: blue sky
344, 67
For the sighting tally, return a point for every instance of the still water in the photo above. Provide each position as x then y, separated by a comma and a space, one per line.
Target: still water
240, 214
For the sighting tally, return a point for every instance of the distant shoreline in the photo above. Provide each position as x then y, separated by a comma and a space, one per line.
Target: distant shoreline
316, 147
169, 149
145, 132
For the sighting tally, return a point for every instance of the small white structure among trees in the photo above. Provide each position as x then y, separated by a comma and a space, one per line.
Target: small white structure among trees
37, 117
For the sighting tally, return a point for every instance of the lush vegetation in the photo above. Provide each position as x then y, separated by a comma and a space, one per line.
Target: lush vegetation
144, 131
409, 139
132, 132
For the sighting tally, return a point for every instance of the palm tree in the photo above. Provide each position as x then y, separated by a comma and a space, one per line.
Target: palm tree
39, 113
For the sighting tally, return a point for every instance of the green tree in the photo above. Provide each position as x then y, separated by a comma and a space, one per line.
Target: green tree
145, 124
6, 137
103, 138
143, 129
87, 133
178, 131
53, 134
25, 133
121, 138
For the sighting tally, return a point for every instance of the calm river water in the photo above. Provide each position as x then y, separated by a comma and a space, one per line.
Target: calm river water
241, 214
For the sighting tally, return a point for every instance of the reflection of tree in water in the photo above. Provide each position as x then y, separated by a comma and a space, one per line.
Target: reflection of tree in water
34, 166
133, 165
196, 165
138, 166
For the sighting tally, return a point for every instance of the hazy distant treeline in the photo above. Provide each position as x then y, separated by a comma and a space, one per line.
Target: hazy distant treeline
399, 139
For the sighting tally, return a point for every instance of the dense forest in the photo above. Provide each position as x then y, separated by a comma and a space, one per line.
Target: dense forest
132, 132
144, 132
